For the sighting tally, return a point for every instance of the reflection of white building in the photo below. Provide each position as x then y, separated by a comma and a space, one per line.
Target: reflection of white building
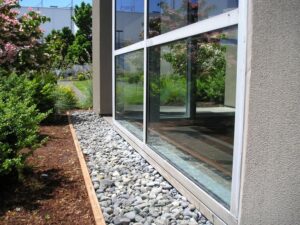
132, 21
60, 17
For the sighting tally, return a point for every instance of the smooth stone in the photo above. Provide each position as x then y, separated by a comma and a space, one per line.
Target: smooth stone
96, 185
138, 218
192, 207
121, 220
116, 174
131, 215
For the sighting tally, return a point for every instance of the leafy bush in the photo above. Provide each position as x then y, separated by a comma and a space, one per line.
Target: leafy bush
45, 85
65, 99
81, 76
80, 51
19, 120
58, 42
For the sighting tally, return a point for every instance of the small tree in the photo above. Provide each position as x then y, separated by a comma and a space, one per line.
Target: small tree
58, 43
81, 49
83, 19
20, 35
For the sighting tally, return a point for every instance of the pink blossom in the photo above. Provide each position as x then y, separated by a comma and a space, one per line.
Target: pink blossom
14, 11
10, 51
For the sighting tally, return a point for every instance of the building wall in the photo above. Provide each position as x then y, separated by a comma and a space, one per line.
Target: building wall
60, 17
270, 179
102, 57
270, 193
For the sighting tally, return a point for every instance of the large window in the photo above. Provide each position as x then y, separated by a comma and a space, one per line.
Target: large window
167, 15
192, 106
178, 93
129, 91
129, 22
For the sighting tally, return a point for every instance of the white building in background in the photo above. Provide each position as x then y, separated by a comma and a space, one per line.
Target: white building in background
60, 17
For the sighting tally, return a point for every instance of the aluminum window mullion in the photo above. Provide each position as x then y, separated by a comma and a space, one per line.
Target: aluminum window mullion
145, 71
113, 59
240, 109
130, 48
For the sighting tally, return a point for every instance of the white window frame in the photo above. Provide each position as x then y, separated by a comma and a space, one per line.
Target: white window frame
212, 209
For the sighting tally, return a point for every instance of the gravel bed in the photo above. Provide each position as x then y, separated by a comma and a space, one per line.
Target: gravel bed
129, 189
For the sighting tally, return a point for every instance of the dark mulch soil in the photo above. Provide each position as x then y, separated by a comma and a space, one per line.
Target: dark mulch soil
53, 190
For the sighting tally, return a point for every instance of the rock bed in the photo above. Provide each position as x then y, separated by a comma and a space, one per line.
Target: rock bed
129, 189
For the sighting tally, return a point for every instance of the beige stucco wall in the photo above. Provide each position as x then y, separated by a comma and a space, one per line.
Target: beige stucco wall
102, 57
270, 193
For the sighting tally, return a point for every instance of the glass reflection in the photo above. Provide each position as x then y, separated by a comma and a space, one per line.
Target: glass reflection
129, 22
167, 15
129, 91
192, 107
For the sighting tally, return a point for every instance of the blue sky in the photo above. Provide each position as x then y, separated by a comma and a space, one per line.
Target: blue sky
47, 3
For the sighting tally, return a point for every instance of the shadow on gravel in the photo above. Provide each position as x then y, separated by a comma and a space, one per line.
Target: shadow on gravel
77, 119
34, 186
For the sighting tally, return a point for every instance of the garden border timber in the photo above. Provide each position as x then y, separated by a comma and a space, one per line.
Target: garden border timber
97, 212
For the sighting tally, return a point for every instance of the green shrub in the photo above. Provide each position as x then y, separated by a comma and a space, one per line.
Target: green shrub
65, 99
19, 120
45, 85
81, 76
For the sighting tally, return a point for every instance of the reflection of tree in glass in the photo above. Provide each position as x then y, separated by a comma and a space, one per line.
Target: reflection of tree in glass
208, 63
172, 17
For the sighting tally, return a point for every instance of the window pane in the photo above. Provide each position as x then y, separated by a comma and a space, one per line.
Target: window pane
129, 22
192, 107
129, 91
167, 15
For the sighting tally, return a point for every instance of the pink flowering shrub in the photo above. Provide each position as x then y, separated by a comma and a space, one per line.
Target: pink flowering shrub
20, 35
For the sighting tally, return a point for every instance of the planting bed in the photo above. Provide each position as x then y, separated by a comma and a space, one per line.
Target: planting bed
53, 190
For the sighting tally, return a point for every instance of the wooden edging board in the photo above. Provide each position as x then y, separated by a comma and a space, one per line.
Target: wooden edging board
98, 216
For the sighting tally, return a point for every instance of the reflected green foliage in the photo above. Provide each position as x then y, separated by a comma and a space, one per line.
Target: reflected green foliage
173, 15
171, 89
208, 65
129, 89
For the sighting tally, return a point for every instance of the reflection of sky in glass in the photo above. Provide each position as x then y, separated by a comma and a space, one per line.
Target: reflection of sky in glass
130, 5
138, 5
